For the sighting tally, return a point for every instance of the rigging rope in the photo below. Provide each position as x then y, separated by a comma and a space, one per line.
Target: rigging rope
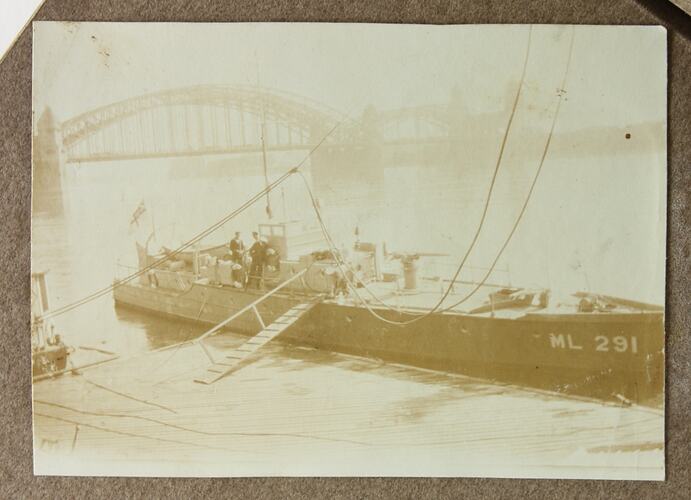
488, 198
560, 95
437, 308
494, 177
478, 230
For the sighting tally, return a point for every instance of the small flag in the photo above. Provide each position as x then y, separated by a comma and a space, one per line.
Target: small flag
136, 215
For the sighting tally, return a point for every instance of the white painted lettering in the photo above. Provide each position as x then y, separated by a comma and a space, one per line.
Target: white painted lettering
602, 343
621, 344
572, 345
557, 340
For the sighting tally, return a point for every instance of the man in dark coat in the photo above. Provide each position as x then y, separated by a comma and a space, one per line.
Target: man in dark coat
237, 248
258, 254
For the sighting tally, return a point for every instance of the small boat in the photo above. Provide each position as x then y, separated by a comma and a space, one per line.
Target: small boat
49, 354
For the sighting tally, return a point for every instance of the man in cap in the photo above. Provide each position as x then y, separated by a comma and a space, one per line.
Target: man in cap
237, 248
258, 254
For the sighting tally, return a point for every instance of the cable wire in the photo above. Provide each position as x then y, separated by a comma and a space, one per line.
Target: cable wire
545, 150
437, 308
484, 211
500, 156
483, 217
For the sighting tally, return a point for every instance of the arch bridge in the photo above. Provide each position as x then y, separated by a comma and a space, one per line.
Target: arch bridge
227, 119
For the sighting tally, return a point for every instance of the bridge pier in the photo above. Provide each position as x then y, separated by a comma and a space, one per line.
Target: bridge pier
47, 182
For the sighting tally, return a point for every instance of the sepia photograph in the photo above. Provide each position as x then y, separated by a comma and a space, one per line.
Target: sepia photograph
306, 249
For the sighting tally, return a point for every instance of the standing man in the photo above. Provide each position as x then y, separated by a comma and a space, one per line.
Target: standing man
258, 254
237, 248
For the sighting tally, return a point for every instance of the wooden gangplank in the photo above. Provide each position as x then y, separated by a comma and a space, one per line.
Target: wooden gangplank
220, 368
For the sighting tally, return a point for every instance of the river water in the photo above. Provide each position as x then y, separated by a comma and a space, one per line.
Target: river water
295, 402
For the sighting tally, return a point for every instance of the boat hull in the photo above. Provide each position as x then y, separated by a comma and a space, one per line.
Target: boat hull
608, 356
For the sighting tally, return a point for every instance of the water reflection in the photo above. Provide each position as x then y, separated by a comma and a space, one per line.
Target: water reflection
159, 331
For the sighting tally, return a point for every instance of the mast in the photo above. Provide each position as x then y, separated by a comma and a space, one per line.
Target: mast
264, 162
263, 139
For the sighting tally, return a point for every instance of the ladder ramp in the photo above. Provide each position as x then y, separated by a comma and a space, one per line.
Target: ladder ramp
230, 361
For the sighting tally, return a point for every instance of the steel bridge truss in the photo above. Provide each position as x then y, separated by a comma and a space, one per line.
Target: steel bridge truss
227, 119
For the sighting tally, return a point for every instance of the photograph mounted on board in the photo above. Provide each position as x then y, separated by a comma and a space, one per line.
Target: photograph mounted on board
348, 250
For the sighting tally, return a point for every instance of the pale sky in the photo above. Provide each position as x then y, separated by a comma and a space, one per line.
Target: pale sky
615, 77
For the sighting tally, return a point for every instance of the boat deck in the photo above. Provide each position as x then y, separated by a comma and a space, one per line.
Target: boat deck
307, 412
426, 297
429, 293
381, 295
